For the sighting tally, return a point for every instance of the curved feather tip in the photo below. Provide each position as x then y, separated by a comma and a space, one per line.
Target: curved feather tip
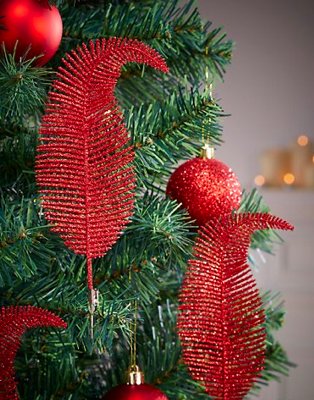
14, 321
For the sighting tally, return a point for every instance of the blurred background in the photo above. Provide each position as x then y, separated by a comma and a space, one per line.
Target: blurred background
269, 90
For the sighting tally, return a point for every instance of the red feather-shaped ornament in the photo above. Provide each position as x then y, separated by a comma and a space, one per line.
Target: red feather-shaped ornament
13, 323
221, 318
84, 163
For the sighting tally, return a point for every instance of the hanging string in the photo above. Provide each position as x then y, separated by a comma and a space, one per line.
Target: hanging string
133, 330
133, 341
207, 150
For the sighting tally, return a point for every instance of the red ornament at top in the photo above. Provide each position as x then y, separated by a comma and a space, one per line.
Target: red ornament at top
36, 26
206, 187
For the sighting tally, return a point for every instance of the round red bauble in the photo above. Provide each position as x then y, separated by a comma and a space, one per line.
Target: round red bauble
135, 392
206, 188
36, 26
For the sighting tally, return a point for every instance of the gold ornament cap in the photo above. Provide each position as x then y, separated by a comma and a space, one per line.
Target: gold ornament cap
207, 152
135, 376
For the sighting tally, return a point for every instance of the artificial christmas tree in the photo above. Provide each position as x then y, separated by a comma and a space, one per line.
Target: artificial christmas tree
165, 115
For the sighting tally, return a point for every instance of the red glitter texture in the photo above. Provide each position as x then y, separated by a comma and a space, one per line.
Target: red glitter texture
84, 162
221, 318
13, 323
206, 188
135, 392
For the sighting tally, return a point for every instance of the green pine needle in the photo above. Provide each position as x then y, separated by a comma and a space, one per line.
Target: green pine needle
23, 90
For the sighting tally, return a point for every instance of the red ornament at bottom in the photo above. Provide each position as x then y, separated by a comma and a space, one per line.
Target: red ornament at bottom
135, 392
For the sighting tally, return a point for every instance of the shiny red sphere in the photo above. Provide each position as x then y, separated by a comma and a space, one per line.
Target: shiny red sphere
34, 24
206, 188
135, 392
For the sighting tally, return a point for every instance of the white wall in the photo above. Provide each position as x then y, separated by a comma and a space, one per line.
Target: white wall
269, 87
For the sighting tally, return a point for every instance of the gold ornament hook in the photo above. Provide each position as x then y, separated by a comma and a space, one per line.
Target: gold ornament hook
207, 152
135, 376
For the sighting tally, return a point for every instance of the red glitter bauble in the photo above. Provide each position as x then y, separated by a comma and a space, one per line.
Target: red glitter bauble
36, 26
207, 188
135, 392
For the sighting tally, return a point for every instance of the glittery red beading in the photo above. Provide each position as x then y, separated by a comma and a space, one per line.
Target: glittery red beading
221, 318
13, 323
84, 162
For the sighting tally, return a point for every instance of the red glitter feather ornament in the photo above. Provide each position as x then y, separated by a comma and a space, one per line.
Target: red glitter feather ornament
84, 162
13, 323
221, 318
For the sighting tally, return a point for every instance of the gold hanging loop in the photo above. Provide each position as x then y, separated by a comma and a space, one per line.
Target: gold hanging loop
207, 151
135, 376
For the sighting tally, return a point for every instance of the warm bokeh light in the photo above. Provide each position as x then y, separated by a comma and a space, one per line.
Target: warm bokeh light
313, 159
303, 140
259, 180
289, 178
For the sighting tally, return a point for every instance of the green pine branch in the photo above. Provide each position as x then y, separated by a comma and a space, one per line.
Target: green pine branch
23, 91
163, 133
177, 33
277, 363
17, 149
